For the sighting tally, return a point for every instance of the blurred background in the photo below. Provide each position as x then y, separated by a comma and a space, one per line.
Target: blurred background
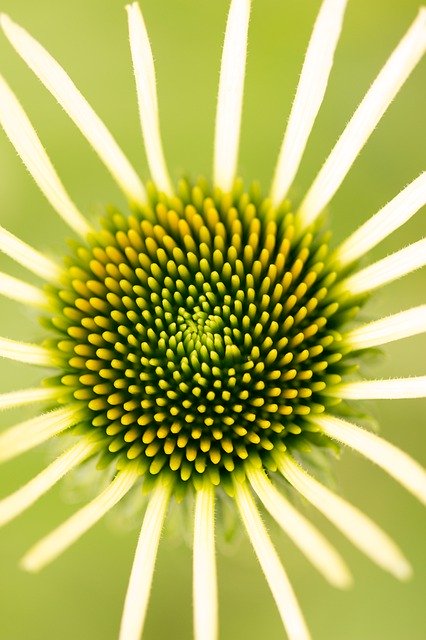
81, 595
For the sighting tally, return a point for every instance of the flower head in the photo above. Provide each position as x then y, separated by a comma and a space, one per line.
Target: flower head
207, 340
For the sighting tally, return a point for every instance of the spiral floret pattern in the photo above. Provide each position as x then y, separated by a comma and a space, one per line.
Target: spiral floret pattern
200, 331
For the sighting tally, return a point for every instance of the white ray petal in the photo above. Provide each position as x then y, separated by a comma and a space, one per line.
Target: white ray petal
24, 138
304, 535
22, 397
143, 66
357, 527
28, 434
391, 268
21, 291
396, 327
204, 568
230, 98
60, 85
28, 257
392, 216
139, 588
275, 575
56, 542
365, 119
25, 352
309, 96
393, 389
16, 503
395, 462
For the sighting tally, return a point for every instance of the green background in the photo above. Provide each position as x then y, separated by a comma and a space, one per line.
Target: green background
80, 596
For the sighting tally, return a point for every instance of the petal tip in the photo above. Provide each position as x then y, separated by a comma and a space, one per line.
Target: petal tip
344, 581
404, 571
5, 21
131, 7
9, 27
28, 566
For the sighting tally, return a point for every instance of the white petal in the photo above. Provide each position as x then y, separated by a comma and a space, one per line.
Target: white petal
304, 535
365, 119
60, 85
72, 529
395, 462
20, 291
204, 568
396, 327
275, 575
143, 66
139, 588
359, 529
27, 435
27, 396
392, 216
230, 99
309, 96
14, 504
22, 135
25, 352
390, 268
393, 389
28, 257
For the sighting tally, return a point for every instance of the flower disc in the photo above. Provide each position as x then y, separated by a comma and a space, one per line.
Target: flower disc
199, 332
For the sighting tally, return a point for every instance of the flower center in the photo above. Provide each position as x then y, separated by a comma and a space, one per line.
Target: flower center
200, 331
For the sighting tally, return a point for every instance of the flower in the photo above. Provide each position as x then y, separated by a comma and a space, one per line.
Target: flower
206, 342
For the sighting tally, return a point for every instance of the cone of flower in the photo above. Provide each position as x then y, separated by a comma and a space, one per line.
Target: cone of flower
203, 342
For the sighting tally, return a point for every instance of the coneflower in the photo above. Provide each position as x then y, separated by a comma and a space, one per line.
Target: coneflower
205, 342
